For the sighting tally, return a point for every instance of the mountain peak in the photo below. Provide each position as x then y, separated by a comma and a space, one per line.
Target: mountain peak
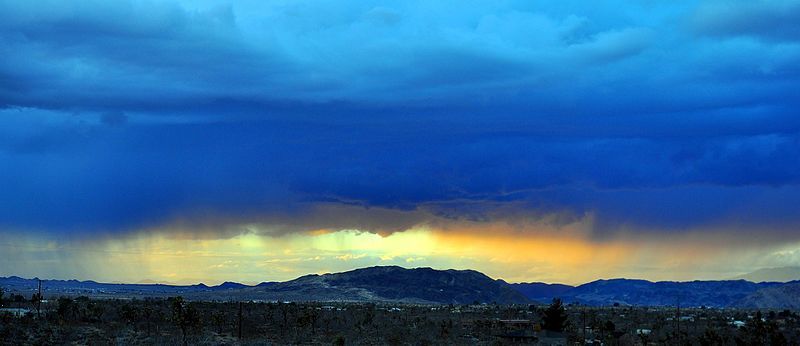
230, 285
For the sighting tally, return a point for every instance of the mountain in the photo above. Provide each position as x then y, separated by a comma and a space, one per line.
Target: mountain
227, 285
426, 285
662, 293
540, 291
391, 283
785, 296
781, 274
92, 288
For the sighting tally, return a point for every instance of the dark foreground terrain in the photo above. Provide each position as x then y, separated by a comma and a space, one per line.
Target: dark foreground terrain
174, 321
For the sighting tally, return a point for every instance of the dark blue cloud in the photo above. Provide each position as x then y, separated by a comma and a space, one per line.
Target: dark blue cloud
769, 20
656, 116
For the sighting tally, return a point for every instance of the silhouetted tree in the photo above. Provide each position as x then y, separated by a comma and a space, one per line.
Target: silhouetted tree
759, 332
95, 311
608, 329
710, 338
36, 301
129, 314
67, 309
218, 319
555, 316
183, 317
339, 341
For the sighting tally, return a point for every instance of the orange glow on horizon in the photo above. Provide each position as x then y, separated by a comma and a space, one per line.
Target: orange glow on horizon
499, 250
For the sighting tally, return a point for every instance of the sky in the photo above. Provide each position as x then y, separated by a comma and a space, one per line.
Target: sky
188, 141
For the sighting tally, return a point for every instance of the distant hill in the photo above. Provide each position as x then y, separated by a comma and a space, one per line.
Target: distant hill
785, 296
390, 283
540, 291
419, 285
664, 293
91, 288
227, 285
781, 274
426, 285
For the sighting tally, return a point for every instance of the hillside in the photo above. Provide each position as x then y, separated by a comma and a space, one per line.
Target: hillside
426, 285
423, 285
776, 297
663, 293
540, 291
419, 285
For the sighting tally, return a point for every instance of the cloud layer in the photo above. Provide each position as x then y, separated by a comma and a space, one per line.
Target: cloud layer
650, 117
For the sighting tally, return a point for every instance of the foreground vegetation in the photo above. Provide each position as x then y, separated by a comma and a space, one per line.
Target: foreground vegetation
173, 321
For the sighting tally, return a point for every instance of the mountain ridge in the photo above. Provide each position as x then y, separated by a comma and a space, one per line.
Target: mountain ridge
380, 283
450, 286
710, 293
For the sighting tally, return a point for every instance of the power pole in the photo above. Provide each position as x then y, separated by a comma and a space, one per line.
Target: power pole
39, 301
240, 320
584, 325
678, 317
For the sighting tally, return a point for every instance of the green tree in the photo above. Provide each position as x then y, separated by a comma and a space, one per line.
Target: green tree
555, 317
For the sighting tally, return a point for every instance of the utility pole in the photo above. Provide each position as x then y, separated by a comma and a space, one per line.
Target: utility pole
584, 324
678, 317
39, 301
240, 320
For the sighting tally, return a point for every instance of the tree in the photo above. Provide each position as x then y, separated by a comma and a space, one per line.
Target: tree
129, 313
179, 316
339, 340
757, 331
96, 311
711, 337
555, 317
186, 318
2, 292
66, 308
219, 320
310, 316
36, 300
608, 328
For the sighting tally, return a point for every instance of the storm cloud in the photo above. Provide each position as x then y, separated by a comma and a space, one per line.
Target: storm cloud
650, 116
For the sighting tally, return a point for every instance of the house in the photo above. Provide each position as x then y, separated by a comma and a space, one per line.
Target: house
16, 312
